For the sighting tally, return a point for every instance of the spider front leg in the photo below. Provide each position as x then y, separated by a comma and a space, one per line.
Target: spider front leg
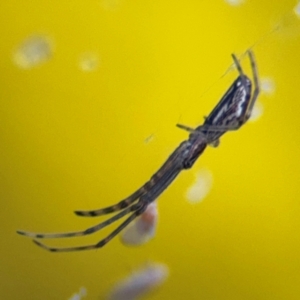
235, 107
256, 84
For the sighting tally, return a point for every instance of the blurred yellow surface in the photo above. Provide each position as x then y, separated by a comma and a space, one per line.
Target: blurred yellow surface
96, 118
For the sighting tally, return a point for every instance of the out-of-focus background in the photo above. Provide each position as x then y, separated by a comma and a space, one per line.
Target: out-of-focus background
90, 93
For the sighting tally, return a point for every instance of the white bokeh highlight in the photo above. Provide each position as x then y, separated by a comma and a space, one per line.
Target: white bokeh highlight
297, 10
141, 230
78, 296
140, 282
267, 85
89, 62
234, 2
110, 5
33, 51
257, 112
201, 186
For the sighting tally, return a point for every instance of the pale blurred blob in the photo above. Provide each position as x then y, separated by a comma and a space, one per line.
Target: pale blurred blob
201, 187
297, 10
140, 282
267, 85
33, 51
110, 5
142, 229
89, 62
257, 112
78, 296
235, 2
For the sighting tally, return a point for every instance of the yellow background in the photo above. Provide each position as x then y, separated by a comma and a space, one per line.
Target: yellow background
78, 140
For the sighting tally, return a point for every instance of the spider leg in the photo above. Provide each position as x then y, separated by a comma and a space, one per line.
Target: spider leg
139, 208
87, 231
238, 65
110, 209
184, 127
100, 244
208, 127
243, 77
122, 204
250, 103
163, 183
255, 79
256, 84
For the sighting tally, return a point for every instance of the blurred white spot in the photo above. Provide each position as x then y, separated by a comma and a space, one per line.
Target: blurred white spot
201, 187
110, 4
88, 62
140, 282
235, 2
82, 291
78, 296
257, 112
267, 85
142, 229
75, 297
297, 10
33, 51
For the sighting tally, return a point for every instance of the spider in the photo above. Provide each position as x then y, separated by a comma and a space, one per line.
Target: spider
232, 111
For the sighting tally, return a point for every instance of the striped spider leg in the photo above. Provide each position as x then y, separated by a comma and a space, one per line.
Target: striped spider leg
232, 111
143, 197
235, 107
